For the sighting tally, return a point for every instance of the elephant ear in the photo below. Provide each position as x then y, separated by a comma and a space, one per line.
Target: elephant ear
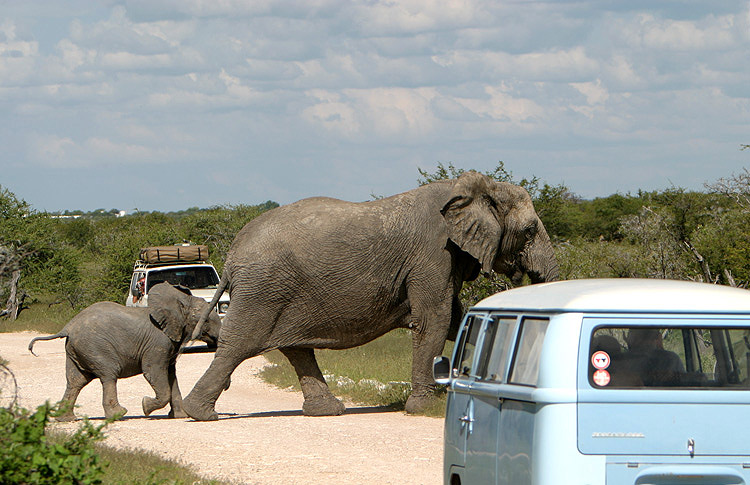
473, 218
167, 310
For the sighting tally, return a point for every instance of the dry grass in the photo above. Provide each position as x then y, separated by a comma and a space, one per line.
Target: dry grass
377, 373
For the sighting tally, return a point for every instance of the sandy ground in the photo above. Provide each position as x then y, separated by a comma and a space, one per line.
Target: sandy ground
261, 436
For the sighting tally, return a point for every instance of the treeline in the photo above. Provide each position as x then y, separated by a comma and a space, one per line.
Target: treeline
78, 261
669, 234
672, 233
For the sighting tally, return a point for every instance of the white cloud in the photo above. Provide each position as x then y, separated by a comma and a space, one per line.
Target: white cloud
714, 33
410, 16
127, 61
532, 66
51, 150
503, 106
332, 114
383, 112
96, 152
225, 80
595, 93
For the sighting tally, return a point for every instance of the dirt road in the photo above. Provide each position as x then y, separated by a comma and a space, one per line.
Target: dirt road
261, 436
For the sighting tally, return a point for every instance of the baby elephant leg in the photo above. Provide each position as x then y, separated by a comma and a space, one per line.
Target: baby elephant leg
110, 403
76, 380
175, 403
159, 380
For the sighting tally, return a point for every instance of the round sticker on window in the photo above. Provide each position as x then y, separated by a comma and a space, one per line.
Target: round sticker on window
600, 360
601, 378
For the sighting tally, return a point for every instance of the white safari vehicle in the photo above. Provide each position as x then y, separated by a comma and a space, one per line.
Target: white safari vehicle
185, 265
580, 382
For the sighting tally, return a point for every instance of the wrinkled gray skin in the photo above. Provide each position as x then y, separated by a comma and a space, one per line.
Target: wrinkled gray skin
110, 341
324, 273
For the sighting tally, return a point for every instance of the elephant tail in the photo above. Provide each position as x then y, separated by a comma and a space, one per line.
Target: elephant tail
204, 314
62, 333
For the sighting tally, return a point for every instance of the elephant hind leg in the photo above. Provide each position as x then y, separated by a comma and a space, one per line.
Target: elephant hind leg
76, 380
112, 408
318, 398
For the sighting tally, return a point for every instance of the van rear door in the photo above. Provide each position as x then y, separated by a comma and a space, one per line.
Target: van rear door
659, 387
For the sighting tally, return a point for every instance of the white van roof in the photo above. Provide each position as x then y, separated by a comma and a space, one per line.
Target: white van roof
622, 295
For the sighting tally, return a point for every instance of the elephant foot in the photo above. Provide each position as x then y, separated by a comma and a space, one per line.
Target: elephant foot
67, 417
198, 412
417, 404
150, 405
323, 406
116, 412
177, 414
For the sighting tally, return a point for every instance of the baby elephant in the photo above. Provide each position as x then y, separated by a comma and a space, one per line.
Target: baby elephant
110, 341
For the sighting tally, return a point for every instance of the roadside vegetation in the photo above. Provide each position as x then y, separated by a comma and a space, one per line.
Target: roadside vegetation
31, 454
53, 265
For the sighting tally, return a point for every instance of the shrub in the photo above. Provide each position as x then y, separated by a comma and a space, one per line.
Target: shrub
28, 456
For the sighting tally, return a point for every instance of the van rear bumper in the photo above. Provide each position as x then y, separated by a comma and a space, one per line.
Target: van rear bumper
677, 473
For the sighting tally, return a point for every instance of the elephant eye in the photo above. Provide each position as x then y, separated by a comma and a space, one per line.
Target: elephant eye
493, 205
531, 230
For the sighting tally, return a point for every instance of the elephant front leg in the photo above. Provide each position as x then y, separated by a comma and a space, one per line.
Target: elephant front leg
112, 408
318, 398
160, 382
428, 341
200, 403
175, 402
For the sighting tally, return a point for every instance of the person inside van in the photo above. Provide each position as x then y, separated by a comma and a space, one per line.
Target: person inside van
647, 355
621, 372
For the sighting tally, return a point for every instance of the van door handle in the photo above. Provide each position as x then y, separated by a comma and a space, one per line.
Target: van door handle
466, 419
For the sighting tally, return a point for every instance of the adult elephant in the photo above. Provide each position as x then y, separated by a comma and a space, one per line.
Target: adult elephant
324, 273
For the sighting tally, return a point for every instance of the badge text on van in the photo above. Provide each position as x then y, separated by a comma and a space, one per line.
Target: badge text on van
617, 435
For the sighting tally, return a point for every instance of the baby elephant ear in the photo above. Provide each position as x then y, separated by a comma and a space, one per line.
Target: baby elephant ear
474, 218
166, 310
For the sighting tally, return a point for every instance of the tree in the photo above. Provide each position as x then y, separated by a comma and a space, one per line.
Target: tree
660, 244
736, 187
14, 250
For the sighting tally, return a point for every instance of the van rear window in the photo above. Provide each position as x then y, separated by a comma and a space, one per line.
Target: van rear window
669, 357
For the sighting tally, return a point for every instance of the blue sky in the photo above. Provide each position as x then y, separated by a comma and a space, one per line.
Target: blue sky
170, 104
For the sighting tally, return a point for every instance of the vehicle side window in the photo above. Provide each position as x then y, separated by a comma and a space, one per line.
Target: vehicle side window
525, 368
468, 346
673, 357
136, 284
497, 347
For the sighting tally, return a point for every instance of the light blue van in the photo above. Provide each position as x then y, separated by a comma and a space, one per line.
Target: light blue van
621, 381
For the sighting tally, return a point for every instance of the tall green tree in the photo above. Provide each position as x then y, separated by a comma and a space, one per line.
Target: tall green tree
26, 244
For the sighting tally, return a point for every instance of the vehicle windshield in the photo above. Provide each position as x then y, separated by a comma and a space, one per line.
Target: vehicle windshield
675, 357
193, 278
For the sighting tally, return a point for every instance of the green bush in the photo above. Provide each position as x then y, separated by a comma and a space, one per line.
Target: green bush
28, 456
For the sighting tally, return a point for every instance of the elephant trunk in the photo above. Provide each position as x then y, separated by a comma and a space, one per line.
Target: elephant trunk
538, 260
207, 310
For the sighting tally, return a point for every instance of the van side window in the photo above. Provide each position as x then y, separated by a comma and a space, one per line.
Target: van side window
525, 368
468, 346
669, 357
494, 366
